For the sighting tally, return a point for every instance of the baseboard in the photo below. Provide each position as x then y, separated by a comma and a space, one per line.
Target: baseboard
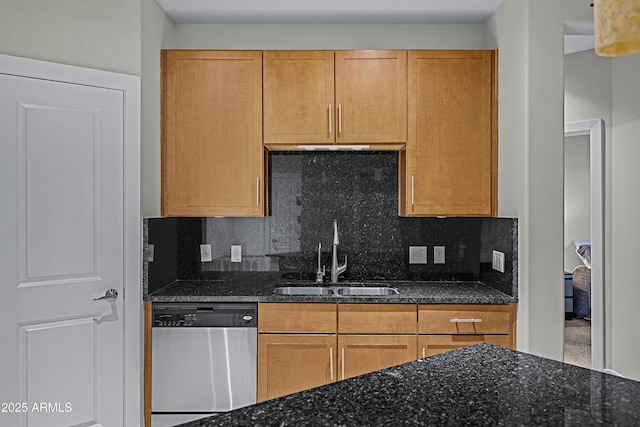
612, 372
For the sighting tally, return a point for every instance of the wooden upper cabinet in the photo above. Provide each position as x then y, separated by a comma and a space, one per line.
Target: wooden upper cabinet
371, 96
342, 97
449, 166
299, 97
212, 153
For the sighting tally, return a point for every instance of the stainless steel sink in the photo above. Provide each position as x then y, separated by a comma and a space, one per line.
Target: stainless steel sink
367, 290
359, 290
303, 290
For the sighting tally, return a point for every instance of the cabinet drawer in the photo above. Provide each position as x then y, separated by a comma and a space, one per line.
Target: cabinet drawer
429, 345
464, 319
377, 319
297, 317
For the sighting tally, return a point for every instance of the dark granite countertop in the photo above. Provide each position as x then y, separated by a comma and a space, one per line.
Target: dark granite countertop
476, 385
246, 287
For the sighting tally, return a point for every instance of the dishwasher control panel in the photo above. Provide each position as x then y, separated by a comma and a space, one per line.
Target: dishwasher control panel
205, 315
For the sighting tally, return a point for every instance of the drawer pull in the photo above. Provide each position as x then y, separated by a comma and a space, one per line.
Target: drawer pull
465, 320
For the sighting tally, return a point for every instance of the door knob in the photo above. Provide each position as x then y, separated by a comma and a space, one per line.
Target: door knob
110, 294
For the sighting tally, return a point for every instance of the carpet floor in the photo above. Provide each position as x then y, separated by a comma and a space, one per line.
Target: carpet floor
577, 342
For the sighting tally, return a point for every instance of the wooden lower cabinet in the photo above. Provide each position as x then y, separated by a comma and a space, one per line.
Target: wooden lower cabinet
361, 354
467, 319
289, 363
306, 345
444, 327
429, 345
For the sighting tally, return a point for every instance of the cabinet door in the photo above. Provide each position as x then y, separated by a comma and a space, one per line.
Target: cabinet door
288, 363
428, 345
361, 354
450, 163
212, 155
371, 96
298, 98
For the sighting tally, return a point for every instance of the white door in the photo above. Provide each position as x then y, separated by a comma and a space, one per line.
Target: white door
61, 246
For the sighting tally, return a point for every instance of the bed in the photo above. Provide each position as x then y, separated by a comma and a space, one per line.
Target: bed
582, 281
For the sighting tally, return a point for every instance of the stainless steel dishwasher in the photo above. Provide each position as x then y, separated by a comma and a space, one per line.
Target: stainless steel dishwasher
204, 358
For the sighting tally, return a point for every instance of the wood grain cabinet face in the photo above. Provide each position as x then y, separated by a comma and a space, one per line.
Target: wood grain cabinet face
212, 152
297, 347
361, 354
371, 93
449, 166
375, 336
377, 319
342, 97
429, 345
299, 97
289, 363
444, 327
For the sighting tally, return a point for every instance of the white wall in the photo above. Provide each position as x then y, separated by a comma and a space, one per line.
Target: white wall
157, 33
529, 37
310, 37
89, 33
625, 248
577, 196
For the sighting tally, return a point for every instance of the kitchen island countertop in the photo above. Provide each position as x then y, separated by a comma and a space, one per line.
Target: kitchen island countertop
476, 385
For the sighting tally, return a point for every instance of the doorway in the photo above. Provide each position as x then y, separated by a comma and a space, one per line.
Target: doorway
595, 131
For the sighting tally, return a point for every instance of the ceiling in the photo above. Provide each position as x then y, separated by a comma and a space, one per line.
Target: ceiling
578, 37
329, 11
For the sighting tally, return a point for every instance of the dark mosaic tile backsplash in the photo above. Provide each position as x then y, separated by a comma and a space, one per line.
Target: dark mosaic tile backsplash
307, 192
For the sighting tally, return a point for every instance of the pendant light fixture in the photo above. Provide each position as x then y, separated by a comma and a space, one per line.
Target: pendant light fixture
616, 27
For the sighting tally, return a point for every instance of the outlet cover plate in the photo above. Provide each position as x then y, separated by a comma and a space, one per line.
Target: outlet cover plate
417, 254
498, 261
205, 253
438, 255
236, 253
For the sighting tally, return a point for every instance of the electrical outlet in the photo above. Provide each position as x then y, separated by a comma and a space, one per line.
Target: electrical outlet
205, 253
236, 253
150, 252
417, 254
498, 261
438, 255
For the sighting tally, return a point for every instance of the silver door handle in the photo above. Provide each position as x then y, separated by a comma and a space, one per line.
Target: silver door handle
110, 294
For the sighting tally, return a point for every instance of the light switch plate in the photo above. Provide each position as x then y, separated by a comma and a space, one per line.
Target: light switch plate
151, 251
498, 261
417, 254
205, 253
438, 255
236, 253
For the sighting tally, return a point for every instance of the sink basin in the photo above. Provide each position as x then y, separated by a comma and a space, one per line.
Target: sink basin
367, 290
303, 290
336, 290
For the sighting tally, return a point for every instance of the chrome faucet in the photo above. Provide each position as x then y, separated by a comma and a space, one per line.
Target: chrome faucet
336, 269
320, 270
